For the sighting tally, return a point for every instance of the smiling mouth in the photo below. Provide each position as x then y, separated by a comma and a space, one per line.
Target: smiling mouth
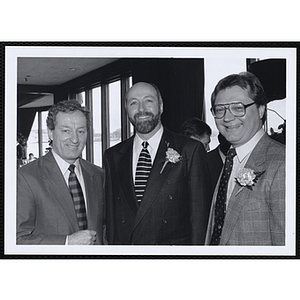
72, 146
143, 117
233, 126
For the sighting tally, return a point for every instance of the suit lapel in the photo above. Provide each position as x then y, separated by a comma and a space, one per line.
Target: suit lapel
57, 187
240, 194
156, 179
91, 190
124, 172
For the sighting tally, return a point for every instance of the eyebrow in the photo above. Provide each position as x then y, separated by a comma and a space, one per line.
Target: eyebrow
67, 126
146, 96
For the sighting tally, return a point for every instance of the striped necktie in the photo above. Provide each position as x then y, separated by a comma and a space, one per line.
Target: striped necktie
143, 170
78, 199
220, 208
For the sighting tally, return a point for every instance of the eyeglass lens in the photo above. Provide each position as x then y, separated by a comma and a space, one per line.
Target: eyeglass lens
237, 109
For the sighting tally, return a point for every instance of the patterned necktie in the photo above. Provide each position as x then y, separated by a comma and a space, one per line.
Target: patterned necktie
143, 170
77, 195
220, 208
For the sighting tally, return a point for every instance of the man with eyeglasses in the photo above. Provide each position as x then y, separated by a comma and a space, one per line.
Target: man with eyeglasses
248, 206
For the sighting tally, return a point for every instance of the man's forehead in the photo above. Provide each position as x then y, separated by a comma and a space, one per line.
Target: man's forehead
65, 114
233, 93
142, 89
64, 118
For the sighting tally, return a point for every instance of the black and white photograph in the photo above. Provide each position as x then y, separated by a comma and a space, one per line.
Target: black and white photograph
87, 87
152, 151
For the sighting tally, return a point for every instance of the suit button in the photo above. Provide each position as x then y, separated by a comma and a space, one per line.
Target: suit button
165, 221
123, 221
170, 197
219, 227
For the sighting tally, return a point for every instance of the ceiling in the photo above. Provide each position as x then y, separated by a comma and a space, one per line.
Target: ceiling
56, 71
51, 71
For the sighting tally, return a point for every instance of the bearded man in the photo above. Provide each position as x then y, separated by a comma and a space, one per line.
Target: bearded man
158, 185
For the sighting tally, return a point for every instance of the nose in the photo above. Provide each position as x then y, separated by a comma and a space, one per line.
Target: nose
74, 138
141, 106
228, 115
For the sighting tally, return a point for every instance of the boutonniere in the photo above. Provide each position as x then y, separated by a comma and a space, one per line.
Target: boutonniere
247, 177
172, 156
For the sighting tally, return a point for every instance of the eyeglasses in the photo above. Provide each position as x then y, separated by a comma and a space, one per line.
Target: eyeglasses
238, 109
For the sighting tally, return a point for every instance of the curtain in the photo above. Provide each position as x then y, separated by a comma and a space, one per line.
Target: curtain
181, 83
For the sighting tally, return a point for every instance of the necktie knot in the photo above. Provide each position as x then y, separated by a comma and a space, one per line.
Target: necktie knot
145, 144
71, 168
231, 153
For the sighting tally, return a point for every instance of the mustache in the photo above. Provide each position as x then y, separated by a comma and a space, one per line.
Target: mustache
143, 114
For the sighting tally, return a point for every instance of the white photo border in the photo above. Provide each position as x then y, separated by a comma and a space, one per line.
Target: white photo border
12, 53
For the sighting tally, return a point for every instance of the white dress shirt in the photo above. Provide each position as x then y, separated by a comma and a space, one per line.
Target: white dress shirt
63, 166
152, 148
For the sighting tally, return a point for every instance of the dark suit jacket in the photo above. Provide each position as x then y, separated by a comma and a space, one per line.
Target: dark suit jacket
175, 206
257, 216
45, 209
215, 165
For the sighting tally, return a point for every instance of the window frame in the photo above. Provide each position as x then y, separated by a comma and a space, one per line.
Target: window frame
124, 80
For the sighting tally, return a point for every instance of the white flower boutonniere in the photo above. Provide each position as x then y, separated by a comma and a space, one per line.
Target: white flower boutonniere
247, 177
172, 156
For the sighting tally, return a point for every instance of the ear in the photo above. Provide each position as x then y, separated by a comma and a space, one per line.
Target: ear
261, 111
161, 107
50, 134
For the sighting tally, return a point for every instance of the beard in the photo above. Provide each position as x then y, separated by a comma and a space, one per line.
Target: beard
147, 125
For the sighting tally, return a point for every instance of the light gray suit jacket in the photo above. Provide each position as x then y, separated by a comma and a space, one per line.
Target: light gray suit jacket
257, 216
45, 209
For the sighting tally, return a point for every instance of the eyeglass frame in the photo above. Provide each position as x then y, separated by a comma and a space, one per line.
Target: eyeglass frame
226, 106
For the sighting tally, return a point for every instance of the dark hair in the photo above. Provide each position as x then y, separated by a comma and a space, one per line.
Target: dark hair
66, 106
194, 127
246, 81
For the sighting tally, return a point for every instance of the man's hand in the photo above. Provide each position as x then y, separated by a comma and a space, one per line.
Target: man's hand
82, 237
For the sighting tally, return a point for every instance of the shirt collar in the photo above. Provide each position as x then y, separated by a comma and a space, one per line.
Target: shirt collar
63, 165
153, 141
245, 149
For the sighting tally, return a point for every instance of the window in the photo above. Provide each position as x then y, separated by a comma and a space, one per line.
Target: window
38, 140
96, 126
109, 124
105, 104
114, 100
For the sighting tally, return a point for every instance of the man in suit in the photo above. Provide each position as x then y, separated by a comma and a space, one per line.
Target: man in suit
175, 205
46, 213
249, 208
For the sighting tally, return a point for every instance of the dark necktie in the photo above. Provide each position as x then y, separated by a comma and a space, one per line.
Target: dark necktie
77, 195
220, 208
143, 170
